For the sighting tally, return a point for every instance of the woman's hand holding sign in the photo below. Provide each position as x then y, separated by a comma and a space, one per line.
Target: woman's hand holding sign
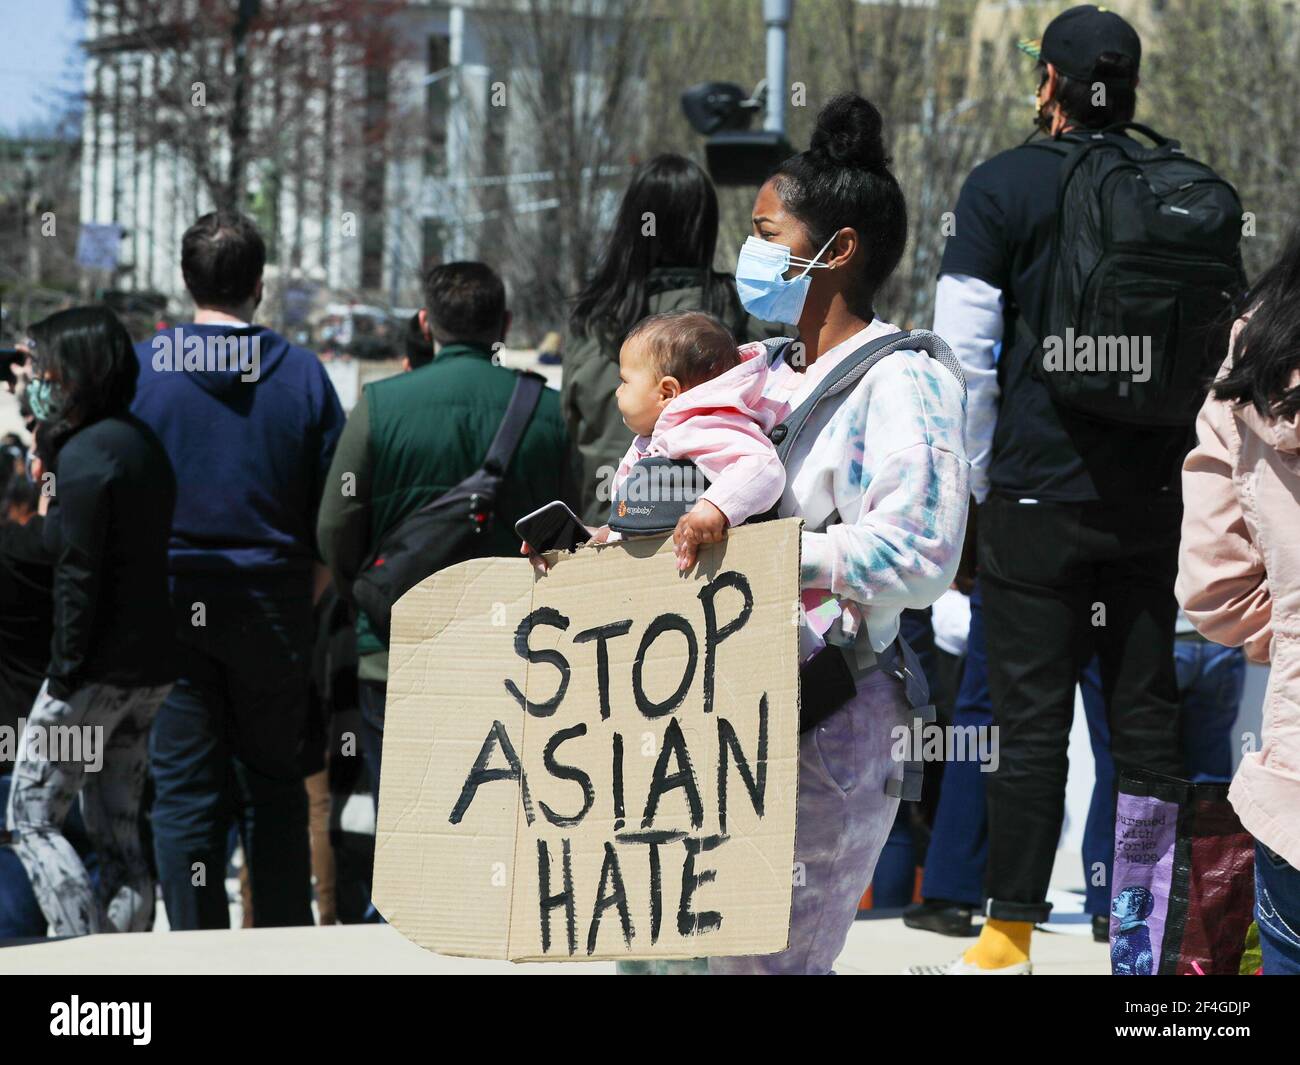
538, 560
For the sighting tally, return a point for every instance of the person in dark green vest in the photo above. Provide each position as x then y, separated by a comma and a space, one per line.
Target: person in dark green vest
413, 436
659, 257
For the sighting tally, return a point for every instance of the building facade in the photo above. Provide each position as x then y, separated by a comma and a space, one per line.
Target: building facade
365, 159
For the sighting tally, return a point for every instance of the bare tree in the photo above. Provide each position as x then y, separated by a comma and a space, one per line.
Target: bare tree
39, 167
563, 121
952, 91
190, 100
1224, 81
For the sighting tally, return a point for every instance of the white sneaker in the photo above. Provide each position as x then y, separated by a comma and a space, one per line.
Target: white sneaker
961, 967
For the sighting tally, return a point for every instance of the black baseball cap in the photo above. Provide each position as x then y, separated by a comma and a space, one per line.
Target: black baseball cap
1077, 38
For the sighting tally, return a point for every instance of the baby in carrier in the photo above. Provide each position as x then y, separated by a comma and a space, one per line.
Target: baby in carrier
692, 396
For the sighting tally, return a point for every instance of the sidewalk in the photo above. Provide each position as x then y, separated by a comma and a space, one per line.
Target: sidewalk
876, 947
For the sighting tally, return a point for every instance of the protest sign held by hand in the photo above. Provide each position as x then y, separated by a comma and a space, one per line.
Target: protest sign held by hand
599, 761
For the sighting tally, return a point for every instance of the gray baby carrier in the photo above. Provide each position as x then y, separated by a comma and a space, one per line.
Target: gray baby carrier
659, 491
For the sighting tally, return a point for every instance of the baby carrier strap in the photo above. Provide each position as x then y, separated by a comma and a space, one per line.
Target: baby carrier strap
849, 372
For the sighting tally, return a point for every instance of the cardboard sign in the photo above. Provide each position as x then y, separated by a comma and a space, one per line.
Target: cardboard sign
596, 763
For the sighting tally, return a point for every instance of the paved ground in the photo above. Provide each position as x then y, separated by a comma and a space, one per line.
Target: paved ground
876, 947
881, 945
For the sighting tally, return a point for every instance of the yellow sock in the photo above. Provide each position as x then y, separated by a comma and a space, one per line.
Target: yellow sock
1001, 943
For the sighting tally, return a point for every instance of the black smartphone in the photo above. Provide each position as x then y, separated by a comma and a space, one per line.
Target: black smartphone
552, 527
9, 358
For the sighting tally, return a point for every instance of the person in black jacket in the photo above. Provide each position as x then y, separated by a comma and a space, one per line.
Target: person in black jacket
106, 533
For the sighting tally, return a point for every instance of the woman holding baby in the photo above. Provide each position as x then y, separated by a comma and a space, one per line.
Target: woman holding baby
878, 474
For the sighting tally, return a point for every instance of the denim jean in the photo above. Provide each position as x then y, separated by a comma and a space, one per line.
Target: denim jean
954, 862
894, 881
1277, 910
20, 913
1210, 682
371, 696
1099, 828
225, 750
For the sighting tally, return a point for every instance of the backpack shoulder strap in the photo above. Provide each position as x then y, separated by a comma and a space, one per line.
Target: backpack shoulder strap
1146, 131
1050, 145
776, 348
523, 401
849, 372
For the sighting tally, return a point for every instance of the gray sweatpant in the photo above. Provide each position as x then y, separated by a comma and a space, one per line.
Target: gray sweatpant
844, 817
95, 745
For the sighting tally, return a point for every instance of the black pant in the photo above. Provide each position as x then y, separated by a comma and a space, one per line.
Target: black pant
226, 749
1060, 582
370, 697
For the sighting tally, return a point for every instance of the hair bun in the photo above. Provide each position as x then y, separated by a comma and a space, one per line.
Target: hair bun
849, 132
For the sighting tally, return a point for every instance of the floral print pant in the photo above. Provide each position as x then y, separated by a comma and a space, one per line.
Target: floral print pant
844, 817
96, 746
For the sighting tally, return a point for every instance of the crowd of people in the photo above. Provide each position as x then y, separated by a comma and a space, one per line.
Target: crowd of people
180, 542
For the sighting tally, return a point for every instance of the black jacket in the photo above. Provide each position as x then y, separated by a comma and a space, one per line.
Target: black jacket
26, 625
107, 532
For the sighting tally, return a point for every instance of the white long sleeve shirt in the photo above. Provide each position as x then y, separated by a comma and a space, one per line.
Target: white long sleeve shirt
968, 315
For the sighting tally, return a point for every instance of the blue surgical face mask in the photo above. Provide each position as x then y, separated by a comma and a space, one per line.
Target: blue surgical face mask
45, 399
760, 280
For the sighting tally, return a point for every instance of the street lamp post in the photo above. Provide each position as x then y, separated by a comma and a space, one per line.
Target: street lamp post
248, 11
776, 14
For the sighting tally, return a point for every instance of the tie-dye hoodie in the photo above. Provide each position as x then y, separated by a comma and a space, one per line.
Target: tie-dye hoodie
880, 477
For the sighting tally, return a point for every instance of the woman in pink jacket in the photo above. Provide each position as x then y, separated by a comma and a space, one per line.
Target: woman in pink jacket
1239, 575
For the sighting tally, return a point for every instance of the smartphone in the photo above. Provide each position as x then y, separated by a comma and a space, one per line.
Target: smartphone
552, 527
9, 358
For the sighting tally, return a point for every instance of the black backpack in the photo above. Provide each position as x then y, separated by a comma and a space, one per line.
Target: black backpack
448, 529
1145, 265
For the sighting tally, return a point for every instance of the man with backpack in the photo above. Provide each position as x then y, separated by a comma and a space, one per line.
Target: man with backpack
1081, 290
435, 466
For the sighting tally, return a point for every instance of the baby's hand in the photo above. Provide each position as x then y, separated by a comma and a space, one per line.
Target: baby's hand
702, 524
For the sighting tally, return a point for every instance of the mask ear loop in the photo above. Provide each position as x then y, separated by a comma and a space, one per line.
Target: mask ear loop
813, 261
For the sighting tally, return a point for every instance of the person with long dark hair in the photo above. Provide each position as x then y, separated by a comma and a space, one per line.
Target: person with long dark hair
659, 257
106, 533
1239, 574
879, 475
